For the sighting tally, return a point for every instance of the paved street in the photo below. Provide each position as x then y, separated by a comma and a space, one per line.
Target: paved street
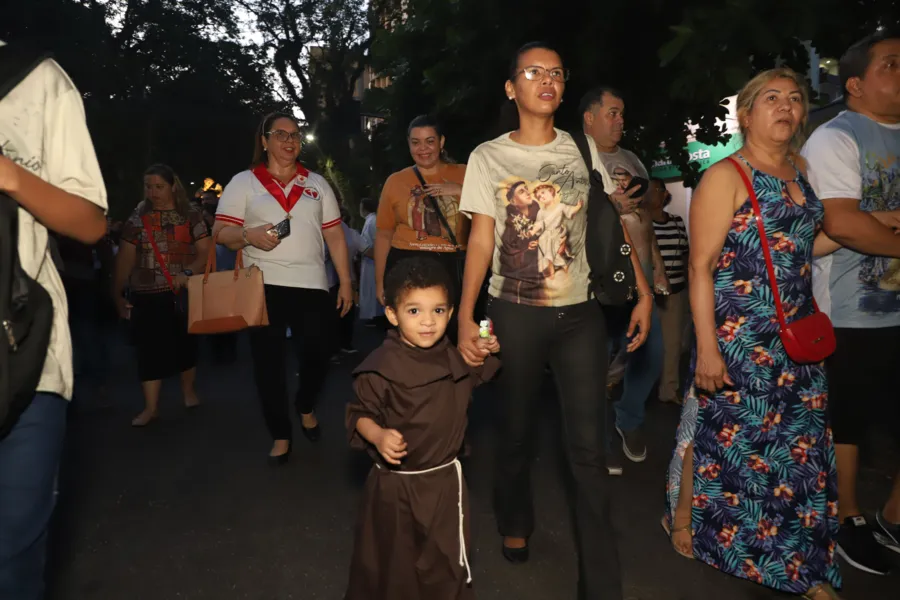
187, 509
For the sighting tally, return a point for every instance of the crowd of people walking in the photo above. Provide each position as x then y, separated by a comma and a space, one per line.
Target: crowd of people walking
785, 287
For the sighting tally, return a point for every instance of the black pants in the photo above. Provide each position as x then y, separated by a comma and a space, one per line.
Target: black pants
573, 340
862, 386
159, 328
224, 348
343, 336
308, 313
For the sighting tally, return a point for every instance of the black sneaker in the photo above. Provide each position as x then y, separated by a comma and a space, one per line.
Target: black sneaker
857, 545
633, 445
887, 534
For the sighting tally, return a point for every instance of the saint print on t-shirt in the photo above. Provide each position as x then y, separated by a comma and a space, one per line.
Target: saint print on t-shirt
423, 218
553, 250
880, 276
536, 249
411, 217
622, 176
623, 166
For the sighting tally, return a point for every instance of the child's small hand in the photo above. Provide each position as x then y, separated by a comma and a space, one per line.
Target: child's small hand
391, 446
490, 344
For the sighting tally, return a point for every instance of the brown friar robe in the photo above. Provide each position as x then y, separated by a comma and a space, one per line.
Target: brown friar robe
408, 532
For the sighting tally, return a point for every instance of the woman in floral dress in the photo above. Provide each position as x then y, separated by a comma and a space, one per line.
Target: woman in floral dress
759, 498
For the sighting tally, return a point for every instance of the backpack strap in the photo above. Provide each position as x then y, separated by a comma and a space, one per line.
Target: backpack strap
16, 62
582, 143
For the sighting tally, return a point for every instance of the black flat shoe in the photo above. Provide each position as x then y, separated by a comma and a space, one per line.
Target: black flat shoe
280, 459
312, 433
516, 556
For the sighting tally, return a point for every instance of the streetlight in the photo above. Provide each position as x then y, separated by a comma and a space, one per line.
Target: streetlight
310, 137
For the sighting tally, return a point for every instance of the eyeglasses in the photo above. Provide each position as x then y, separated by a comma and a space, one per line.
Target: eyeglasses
283, 136
536, 73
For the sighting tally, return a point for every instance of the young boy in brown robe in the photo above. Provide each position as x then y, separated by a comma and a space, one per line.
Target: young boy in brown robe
412, 395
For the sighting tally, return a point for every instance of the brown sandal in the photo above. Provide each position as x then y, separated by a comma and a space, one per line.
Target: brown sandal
812, 592
670, 532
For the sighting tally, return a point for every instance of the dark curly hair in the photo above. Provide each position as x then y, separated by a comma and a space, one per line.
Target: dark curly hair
417, 273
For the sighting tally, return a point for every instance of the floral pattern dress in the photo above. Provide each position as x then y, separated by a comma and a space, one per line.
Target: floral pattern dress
764, 484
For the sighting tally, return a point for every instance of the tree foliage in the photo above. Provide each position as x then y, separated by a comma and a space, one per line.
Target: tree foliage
675, 61
163, 81
177, 81
319, 51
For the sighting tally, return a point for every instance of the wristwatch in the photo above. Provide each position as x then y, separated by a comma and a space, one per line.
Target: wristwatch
188, 272
244, 235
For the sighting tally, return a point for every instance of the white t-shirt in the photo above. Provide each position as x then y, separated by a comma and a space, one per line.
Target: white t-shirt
854, 157
43, 129
299, 260
835, 174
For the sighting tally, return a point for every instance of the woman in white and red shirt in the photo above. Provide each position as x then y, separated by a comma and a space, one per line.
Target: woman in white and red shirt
278, 188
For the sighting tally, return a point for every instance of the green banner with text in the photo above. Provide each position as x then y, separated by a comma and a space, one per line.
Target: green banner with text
701, 154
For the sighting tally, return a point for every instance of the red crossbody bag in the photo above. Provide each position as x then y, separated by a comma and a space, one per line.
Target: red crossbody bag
159, 257
807, 340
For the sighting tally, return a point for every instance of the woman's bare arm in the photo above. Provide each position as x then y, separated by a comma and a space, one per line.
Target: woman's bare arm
479, 253
712, 210
57, 209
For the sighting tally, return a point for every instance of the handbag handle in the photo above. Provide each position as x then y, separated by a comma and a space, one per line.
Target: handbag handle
211, 259
764, 241
437, 208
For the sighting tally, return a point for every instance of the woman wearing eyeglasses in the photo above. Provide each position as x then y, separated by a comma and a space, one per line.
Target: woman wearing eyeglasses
280, 214
542, 315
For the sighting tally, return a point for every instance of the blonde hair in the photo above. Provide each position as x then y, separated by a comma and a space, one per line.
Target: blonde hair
750, 92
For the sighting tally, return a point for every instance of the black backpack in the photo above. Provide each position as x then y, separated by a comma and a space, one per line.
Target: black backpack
26, 310
608, 254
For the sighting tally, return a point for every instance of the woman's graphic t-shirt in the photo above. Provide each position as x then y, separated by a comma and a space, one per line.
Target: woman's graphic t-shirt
404, 210
175, 237
536, 196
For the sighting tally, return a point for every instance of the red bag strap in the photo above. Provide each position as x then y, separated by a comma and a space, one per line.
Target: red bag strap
159, 258
764, 241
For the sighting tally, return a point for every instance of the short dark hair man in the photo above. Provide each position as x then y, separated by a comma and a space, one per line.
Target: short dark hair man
854, 169
603, 119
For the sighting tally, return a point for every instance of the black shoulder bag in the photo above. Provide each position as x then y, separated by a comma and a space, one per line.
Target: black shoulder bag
436, 207
608, 254
26, 309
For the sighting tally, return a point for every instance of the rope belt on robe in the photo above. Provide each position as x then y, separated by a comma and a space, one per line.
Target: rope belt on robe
463, 556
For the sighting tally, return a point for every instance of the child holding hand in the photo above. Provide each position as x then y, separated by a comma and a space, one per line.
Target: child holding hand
412, 396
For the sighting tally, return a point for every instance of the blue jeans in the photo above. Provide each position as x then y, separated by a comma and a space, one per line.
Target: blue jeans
642, 370
29, 461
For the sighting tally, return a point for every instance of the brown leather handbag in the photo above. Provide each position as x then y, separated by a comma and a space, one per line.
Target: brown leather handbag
226, 301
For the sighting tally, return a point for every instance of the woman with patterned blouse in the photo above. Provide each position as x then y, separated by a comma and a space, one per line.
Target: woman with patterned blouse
752, 487
164, 242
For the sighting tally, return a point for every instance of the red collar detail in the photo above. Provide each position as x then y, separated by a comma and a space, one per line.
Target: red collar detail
274, 187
